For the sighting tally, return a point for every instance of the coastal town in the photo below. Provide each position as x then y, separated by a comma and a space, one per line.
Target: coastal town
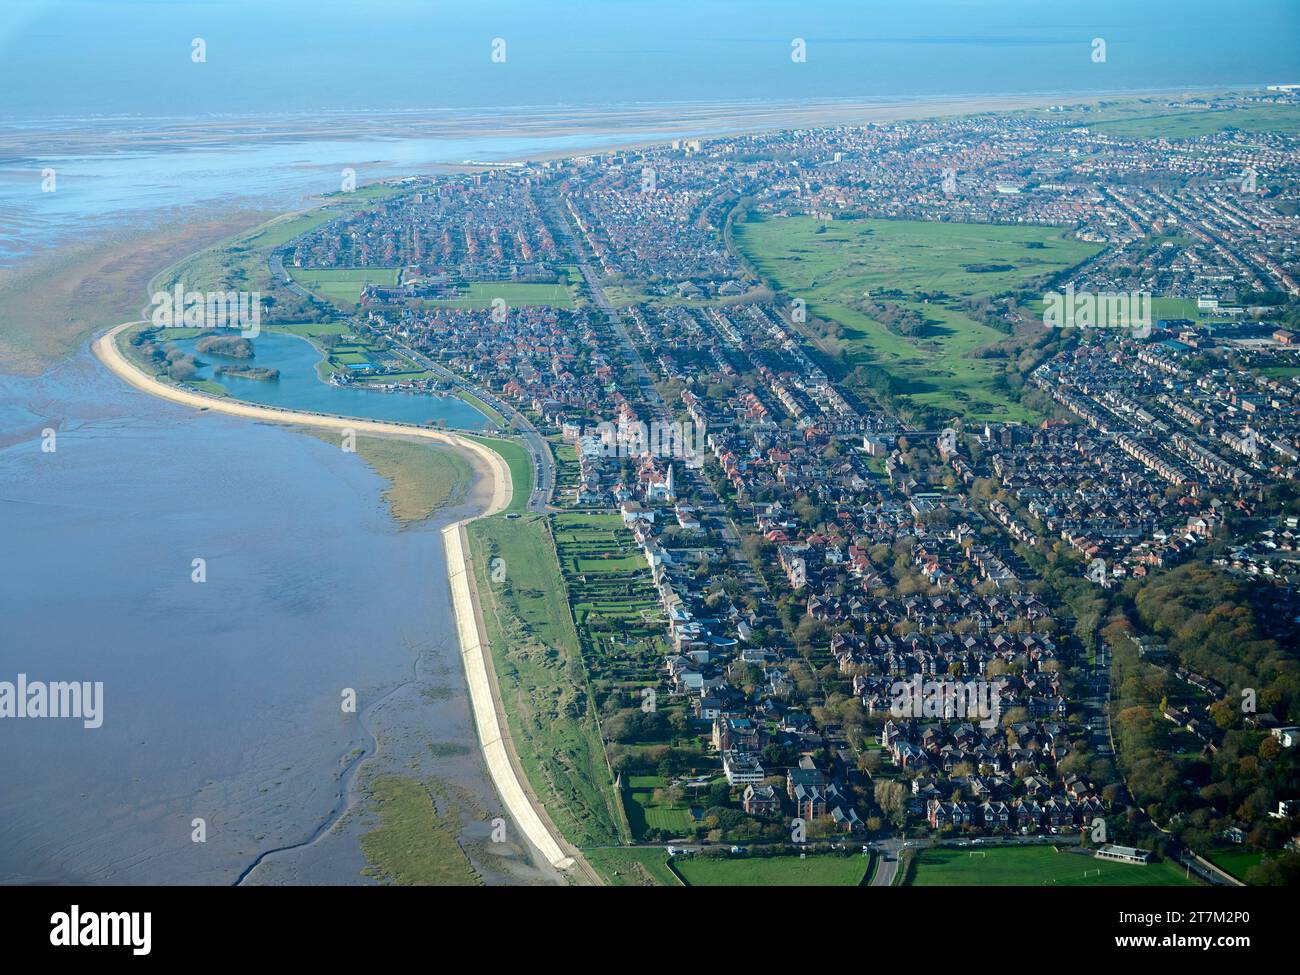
895, 488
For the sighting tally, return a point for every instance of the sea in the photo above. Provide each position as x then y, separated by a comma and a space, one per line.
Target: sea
224, 755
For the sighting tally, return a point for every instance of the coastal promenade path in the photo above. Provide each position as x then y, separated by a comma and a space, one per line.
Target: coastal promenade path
485, 699
489, 715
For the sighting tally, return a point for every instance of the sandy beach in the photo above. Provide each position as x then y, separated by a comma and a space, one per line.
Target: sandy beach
489, 715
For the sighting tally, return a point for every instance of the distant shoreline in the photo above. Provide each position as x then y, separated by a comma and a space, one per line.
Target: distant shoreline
119, 258
604, 123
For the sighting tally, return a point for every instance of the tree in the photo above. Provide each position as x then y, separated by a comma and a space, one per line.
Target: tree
1224, 714
891, 797
1276, 871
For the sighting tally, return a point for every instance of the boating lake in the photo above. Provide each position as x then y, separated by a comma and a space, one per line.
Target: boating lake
300, 388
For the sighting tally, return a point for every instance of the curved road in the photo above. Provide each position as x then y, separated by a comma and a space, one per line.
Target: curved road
538, 448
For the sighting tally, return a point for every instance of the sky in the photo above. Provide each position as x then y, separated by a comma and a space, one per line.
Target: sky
79, 58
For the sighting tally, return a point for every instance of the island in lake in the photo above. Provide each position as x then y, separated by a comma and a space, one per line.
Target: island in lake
247, 372
231, 346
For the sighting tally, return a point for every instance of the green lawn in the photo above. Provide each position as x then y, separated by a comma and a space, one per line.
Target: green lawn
643, 813
834, 266
208, 386
1031, 866
341, 285
785, 871
493, 416
1235, 860
539, 670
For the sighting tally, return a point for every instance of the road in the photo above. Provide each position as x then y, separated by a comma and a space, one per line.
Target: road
637, 364
534, 442
634, 360
887, 852
1096, 702
276, 266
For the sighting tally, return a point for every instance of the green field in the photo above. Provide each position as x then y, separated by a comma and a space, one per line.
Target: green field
567, 470
341, 350
241, 262
825, 870
1157, 118
370, 193
342, 286
1235, 860
850, 256
516, 294
1032, 866
1190, 124
644, 813
832, 266
280, 231
1165, 308
1280, 372
548, 615
1174, 308
312, 329
539, 670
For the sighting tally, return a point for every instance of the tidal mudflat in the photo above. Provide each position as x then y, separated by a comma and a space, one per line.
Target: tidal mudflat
222, 699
